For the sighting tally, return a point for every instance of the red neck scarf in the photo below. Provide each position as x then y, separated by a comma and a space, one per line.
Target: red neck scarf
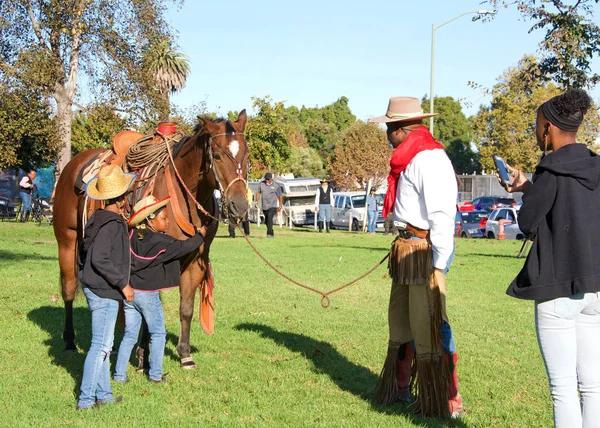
418, 140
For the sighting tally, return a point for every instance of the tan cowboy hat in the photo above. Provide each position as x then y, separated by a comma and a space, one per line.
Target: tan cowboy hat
145, 207
111, 182
402, 109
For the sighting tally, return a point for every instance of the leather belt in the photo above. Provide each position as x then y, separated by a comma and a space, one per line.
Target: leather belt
411, 231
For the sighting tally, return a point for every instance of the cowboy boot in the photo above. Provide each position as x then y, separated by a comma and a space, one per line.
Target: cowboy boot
404, 371
327, 225
455, 399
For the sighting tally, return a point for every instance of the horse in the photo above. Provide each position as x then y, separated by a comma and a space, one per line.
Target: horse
214, 157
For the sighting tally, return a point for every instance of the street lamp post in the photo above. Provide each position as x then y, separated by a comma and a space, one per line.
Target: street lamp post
433, 28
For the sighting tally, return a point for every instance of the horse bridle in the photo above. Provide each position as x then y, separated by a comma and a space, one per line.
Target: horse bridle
238, 169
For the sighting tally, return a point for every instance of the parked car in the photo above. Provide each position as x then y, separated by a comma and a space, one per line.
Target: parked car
8, 209
511, 230
489, 203
471, 224
350, 209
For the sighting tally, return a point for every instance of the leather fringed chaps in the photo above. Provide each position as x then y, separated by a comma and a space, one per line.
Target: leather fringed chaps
411, 264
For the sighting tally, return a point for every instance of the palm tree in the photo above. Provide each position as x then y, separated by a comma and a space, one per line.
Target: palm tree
169, 69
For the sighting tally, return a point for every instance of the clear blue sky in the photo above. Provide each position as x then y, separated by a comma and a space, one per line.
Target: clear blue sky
313, 52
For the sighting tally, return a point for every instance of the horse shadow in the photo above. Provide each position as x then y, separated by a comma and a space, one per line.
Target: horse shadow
51, 320
347, 375
15, 256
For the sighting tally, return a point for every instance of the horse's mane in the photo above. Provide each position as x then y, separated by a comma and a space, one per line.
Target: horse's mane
229, 129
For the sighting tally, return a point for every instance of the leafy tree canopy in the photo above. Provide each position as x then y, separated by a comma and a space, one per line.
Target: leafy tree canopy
451, 123
507, 126
28, 134
571, 40
363, 154
304, 162
95, 128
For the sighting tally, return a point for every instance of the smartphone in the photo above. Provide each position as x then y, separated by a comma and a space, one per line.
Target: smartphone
502, 170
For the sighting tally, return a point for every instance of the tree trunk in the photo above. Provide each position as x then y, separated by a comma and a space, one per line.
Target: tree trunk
64, 117
166, 110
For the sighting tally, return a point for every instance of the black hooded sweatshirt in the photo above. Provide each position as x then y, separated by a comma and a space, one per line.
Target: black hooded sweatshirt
104, 255
155, 259
561, 212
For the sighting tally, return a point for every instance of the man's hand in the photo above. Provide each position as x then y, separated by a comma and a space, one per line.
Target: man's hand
202, 230
316, 209
279, 208
520, 183
128, 293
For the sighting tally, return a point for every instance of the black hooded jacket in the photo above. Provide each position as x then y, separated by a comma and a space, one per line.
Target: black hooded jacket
155, 259
561, 212
104, 255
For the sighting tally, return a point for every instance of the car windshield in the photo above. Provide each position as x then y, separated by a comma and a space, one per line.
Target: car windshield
303, 200
358, 201
505, 201
474, 216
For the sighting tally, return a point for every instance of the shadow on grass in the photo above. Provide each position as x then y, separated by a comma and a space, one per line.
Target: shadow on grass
348, 376
495, 256
15, 256
51, 319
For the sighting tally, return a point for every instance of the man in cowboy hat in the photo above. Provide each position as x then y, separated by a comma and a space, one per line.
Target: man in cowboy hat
422, 194
104, 272
324, 205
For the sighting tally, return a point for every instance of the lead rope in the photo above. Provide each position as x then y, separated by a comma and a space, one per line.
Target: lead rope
325, 300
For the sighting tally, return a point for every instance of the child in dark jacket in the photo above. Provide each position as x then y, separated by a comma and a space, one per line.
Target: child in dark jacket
154, 266
104, 273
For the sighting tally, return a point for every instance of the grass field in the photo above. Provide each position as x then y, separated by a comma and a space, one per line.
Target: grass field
277, 358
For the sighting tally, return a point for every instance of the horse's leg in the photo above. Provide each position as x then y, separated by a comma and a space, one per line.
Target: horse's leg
190, 280
68, 280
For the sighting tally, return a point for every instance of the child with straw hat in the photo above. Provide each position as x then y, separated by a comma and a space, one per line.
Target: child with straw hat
154, 266
104, 273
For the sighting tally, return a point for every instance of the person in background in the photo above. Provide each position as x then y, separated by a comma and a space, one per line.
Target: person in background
25, 188
560, 212
154, 266
104, 262
270, 198
422, 193
245, 222
324, 205
371, 211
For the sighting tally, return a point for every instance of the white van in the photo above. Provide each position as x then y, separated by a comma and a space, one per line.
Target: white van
350, 208
298, 201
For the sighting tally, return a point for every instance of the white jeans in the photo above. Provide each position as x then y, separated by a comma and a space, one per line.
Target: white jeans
568, 331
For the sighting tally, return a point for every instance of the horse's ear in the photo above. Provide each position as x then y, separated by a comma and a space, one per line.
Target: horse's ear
208, 124
241, 121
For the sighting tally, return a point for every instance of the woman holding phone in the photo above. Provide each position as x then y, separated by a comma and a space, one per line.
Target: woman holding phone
561, 211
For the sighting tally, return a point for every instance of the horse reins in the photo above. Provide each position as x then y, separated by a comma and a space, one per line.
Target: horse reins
325, 301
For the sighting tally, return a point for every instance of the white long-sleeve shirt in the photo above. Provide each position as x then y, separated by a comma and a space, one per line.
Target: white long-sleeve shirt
426, 198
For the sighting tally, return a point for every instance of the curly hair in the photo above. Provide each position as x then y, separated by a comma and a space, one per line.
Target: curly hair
573, 104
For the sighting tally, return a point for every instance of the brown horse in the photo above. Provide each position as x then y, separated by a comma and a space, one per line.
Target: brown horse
214, 157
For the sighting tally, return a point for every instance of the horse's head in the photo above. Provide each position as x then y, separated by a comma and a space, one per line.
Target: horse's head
228, 160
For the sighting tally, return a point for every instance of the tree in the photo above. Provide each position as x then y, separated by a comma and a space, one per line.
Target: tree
266, 135
47, 43
28, 136
363, 154
507, 126
452, 130
95, 128
304, 162
169, 69
571, 42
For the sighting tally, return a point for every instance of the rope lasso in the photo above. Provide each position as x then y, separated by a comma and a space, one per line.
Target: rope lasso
325, 300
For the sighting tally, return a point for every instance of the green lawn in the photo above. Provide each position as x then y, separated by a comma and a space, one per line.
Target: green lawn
277, 358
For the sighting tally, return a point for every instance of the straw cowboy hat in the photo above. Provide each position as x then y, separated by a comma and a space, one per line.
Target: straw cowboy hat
145, 207
111, 182
402, 109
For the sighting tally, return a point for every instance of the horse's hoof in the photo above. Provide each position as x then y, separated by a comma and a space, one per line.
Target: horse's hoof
188, 364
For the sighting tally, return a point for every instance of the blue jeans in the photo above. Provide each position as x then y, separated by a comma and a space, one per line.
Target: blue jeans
325, 212
95, 384
26, 198
568, 331
371, 220
148, 305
